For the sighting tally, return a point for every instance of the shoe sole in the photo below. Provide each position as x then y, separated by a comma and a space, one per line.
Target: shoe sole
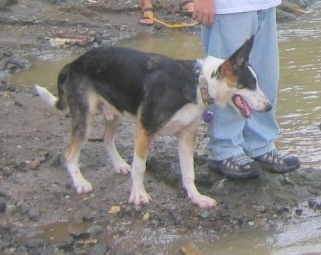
218, 168
278, 170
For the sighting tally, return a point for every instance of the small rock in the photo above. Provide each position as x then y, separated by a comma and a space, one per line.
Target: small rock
260, 208
191, 249
33, 164
34, 214
11, 209
23, 208
93, 230
2, 206
205, 214
250, 223
114, 209
146, 216
79, 235
67, 243
88, 217
35, 242
7, 171
299, 211
314, 203
100, 249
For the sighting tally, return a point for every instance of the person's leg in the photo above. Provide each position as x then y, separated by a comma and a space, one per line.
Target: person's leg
147, 9
231, 135
262, 129
186, 5
227, 34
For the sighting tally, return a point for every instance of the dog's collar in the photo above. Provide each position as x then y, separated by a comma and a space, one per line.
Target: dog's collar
202, 82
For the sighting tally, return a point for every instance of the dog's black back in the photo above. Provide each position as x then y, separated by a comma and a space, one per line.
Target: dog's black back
131, 80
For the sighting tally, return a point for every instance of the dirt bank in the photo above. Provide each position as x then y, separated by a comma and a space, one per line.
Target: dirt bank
36, 195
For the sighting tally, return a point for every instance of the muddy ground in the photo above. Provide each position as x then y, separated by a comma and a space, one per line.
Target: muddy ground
39, 210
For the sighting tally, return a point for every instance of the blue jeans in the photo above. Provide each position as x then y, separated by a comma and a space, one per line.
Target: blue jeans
229, 133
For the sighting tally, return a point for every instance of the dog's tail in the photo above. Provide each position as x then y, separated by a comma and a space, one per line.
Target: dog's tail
61, 102
46, 96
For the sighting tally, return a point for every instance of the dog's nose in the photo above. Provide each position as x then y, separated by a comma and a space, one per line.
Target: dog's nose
268, 107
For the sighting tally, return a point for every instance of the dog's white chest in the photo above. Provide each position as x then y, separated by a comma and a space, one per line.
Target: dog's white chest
189, 115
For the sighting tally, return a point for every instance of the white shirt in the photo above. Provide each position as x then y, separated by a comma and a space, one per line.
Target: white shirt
236, 6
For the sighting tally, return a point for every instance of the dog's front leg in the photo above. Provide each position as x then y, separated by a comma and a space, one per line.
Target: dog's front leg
186, 140
142, 141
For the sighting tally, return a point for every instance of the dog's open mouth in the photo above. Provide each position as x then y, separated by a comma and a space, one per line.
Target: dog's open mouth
242, 105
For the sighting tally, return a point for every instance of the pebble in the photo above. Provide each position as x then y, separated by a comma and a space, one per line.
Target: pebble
68, 242
34, 242
11, 209
114, 209
299, 211
3, 206
205, 214
191, 249
146, 216
33, 164
99, 249
93, 230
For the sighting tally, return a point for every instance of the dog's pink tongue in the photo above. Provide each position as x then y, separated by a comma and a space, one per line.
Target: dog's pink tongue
242, 105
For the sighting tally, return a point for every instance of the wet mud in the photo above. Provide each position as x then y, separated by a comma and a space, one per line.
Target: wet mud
39, 211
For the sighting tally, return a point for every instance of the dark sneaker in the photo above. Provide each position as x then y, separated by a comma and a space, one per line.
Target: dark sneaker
238, 166
275, 162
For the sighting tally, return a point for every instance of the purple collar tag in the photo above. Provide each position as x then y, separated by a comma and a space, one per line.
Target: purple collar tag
207, 116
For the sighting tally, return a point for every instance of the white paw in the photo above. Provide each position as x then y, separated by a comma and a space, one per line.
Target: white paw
203, 201
123, 168
83, 187
139, 197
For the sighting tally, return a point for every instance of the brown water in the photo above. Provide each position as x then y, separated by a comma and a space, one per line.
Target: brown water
298, 113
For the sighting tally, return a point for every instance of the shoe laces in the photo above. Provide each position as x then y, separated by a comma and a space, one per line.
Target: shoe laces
241, 159
274, 156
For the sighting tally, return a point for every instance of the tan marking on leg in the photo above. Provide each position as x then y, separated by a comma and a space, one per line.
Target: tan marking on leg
142, 141
73, 149
80, 133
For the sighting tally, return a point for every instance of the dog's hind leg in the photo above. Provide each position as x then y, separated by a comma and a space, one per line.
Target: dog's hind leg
142, 141
82, 121
186, 141
111, 127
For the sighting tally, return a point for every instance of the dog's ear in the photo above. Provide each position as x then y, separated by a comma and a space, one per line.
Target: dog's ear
237, 60
241, 56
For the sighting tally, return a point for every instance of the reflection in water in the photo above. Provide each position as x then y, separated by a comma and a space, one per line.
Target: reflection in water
176, 44
41, 72
298, 113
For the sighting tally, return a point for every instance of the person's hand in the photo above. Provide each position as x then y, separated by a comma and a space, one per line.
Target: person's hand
204, 12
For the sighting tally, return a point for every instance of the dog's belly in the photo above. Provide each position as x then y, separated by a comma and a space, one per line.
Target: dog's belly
188, 116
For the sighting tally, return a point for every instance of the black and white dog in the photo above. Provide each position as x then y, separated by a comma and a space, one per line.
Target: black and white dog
163, 94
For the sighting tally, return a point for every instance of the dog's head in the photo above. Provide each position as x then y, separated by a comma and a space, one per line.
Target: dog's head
233, 81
